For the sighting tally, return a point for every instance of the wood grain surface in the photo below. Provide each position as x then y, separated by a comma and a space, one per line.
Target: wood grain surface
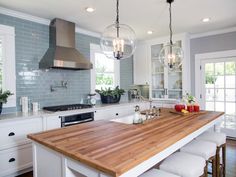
115, 148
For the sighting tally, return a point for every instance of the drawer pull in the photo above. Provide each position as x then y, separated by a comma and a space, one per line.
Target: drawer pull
11, 134
12, 160
117, 114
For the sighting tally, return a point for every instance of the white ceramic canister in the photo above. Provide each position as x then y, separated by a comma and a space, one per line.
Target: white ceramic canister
35, 106
24, 102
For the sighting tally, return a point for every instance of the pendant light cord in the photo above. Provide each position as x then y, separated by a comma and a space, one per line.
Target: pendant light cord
170, 25
117, 19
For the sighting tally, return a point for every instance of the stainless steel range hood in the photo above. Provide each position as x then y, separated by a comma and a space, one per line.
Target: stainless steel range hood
62, 52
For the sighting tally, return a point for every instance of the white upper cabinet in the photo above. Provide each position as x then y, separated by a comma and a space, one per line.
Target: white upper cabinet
164, 84
141, 75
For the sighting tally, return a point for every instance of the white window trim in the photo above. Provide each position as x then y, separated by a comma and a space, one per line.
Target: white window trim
9, 70
95, 48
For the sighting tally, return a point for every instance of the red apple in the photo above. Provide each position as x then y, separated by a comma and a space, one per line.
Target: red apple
179, 107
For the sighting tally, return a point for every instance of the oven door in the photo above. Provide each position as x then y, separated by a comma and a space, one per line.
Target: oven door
76, 119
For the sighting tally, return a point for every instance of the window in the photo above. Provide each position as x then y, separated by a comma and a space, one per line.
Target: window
7, 63
105, 72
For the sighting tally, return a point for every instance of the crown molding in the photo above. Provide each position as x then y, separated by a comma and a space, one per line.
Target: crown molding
43, 21
24, 16
87, 32
212, 33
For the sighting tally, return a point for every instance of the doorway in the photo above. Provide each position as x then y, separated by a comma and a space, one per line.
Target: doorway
217, 88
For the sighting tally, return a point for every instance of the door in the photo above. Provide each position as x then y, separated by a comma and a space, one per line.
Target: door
218, 90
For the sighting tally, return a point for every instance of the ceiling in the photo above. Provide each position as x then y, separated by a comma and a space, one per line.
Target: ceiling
141, 15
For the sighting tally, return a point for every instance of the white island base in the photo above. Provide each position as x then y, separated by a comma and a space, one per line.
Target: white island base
49, 163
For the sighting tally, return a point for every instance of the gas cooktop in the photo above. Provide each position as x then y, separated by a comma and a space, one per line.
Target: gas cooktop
67, 107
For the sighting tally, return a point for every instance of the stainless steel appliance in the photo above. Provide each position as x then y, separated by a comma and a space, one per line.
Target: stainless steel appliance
73, 119
138, 91
76, 119
62, 52
67, 107
133, 94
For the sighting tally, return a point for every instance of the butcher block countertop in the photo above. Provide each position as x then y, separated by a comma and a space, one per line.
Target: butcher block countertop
115, 148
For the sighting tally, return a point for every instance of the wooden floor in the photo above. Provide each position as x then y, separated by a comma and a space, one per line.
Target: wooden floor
230, 164
231, 159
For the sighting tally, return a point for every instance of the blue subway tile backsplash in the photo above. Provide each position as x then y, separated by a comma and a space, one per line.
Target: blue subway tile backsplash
32, 41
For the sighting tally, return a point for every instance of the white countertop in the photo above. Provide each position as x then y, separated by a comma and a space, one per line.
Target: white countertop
43, 113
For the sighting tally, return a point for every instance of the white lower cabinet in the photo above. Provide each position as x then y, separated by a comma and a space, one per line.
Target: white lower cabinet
15, 159
15, 147
118, 111
52, 122
14, 133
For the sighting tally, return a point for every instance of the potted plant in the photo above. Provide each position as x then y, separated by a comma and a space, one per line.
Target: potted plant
110, 95
3, 98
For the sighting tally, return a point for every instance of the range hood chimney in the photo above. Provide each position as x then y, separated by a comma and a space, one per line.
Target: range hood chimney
62, 53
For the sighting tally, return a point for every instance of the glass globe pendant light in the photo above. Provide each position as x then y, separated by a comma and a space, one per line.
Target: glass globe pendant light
118, 40
171, 55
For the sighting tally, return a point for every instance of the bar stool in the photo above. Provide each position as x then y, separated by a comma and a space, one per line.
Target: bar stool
220, 140
204, 149
184, 165
157, 173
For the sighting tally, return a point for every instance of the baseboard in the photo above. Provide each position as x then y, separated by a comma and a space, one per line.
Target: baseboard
20, 172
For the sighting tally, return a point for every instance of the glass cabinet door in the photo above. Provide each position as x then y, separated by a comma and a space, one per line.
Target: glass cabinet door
158, 77
165, 83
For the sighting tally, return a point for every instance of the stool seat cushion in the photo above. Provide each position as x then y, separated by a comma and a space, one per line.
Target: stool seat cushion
184, 164
215, 137
205, 149
157, 173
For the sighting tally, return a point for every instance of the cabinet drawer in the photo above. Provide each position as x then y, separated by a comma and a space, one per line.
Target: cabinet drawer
14, 133
53, 122
15, 159
104, 114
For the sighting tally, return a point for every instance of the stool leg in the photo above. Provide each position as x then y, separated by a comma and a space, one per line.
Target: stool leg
206, 169
224, 158
214, 167
218, 162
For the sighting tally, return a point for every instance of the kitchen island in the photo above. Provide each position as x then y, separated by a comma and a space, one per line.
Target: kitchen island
112, 149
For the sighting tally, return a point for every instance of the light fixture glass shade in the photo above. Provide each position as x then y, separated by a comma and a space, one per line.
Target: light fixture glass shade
119, 44
171, 57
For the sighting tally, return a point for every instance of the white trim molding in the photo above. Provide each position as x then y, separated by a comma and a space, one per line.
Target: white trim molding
7, 35
212, 33
95, 48
43, 21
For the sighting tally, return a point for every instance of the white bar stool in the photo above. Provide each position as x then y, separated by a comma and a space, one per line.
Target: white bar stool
220, 140
204, 149
157, 173
184, 165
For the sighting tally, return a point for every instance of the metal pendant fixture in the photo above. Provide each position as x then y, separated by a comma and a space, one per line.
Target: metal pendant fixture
118, 40
171, 55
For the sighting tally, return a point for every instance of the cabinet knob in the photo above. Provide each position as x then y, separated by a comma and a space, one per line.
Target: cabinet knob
117, 114
11, 134
12, 160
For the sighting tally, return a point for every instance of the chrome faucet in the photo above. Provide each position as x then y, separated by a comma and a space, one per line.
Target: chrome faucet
63, 85
145, 99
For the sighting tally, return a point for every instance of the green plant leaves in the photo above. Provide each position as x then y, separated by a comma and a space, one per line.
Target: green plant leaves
111, 92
